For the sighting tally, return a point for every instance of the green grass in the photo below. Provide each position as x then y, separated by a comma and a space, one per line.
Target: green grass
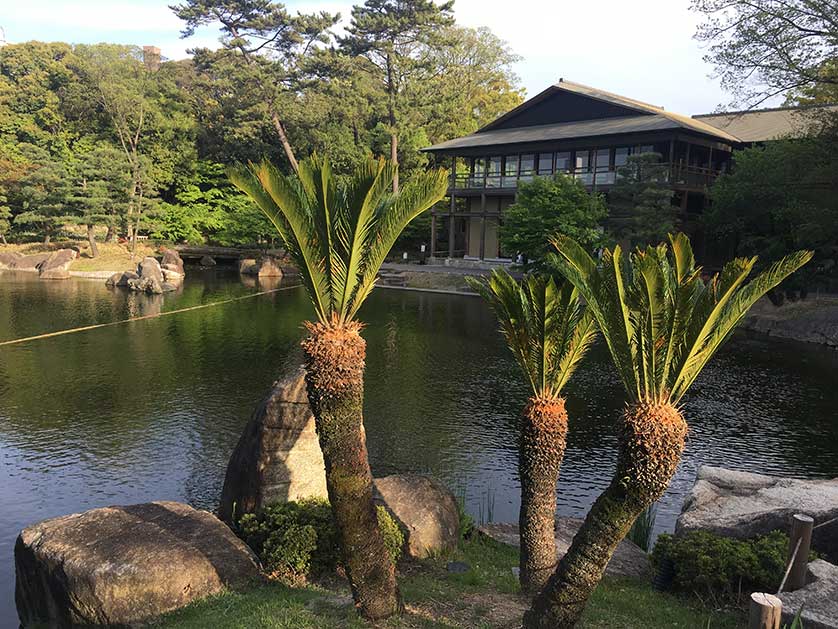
484, 597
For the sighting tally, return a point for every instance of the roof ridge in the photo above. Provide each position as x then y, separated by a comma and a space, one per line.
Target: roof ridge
743, 112
562, 82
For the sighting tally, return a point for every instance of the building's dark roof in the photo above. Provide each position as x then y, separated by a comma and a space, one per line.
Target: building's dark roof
648, 118
766, 124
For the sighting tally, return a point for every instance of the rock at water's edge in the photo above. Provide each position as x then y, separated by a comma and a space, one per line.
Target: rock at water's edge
57, 265
744, 505
121, 279
269, 267
818, 599
248, 266
628, 560
207, 261
8, 259
150, 268
424, 508
278, 456
172, 261
124, 565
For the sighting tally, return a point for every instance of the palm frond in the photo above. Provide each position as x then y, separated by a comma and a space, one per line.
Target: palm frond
661, 321
543, 326
337, 235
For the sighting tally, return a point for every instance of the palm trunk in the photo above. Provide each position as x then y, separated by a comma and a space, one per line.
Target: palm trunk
543, 439
91, 238
651, 440
335, 382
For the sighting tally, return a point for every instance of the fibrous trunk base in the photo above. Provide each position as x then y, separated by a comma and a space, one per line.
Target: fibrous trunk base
542, 446
651, 439
335, 382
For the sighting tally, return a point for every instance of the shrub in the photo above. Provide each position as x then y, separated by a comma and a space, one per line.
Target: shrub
300, 539
705, 562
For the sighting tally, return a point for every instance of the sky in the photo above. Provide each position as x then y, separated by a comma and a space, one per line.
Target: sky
642, 49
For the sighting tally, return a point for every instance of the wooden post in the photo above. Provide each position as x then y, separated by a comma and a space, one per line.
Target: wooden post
766, 611
801, 530
433, 233
453, 207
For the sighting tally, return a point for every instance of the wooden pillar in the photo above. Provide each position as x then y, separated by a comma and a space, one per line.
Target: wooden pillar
801, 531
482, 226
766, 611
451, 232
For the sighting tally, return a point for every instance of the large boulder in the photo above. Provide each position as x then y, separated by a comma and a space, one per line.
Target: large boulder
57, 265
207, 261
125, 565
278, 456
8, 259
425, 509
173, 277
744, 505
121, 279
172, 261
248, 266
146, 284
150, 268
269, 267
818, 599
28, 262
628, 560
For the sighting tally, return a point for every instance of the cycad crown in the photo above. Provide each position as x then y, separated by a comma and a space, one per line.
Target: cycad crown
543, 324
662, 322
338, 235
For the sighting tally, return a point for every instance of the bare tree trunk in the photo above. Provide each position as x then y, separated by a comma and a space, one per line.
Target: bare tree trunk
91, 238
283, 138
335, 382
110, 234
391, 112
47, 238
651, 440
3, 238
543, 439
394, 157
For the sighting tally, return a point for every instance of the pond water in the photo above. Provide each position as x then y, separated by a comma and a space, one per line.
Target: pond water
152, 409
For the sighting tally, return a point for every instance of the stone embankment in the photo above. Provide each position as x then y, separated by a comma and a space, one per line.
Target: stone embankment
812, 320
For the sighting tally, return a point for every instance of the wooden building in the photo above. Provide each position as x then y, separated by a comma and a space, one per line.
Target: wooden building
588, 134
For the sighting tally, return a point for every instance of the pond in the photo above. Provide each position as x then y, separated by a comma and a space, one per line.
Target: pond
152, 409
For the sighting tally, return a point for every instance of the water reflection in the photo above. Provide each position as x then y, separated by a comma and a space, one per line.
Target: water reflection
152, 409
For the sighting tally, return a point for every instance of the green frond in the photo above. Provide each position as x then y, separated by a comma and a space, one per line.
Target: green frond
338, 235
661, 321
543, 325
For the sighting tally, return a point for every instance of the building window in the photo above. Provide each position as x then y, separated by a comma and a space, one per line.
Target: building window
563, 163
603, 175
621, 155
493, 172
510, 171
527, 166
545, 164
583, 167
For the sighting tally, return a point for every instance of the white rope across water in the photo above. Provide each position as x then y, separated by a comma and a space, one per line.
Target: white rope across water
141, 318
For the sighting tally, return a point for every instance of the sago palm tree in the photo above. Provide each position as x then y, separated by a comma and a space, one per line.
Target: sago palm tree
548, 334
662, 323
338, 237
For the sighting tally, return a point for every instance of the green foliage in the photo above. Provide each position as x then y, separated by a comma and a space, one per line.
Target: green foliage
552, 205
723, 566
661, 320
543, 324
338, 235
300, 539
643, 528
780, 198
642, 193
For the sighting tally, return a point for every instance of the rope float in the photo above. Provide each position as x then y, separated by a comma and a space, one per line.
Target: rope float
141, 318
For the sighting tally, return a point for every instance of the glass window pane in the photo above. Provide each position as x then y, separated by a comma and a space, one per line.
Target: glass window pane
479, 165
511, 168
603, 159
494, 165
545, 163
563, 162
583, 160
621, 155
527, 164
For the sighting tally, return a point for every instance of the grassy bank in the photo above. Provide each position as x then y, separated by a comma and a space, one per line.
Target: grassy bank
112, 256
486, 596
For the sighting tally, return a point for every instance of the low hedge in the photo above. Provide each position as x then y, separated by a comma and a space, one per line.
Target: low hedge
300, 539
704, 562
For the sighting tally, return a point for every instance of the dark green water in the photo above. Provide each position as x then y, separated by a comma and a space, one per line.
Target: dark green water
152, 409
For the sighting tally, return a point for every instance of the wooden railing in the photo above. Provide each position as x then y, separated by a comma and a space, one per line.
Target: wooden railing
675, 174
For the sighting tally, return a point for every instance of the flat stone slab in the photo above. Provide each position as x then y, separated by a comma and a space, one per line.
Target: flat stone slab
744, 505
628, 560
125, 565
819, 599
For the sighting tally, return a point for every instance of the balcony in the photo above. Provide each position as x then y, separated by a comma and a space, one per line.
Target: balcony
677, 175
